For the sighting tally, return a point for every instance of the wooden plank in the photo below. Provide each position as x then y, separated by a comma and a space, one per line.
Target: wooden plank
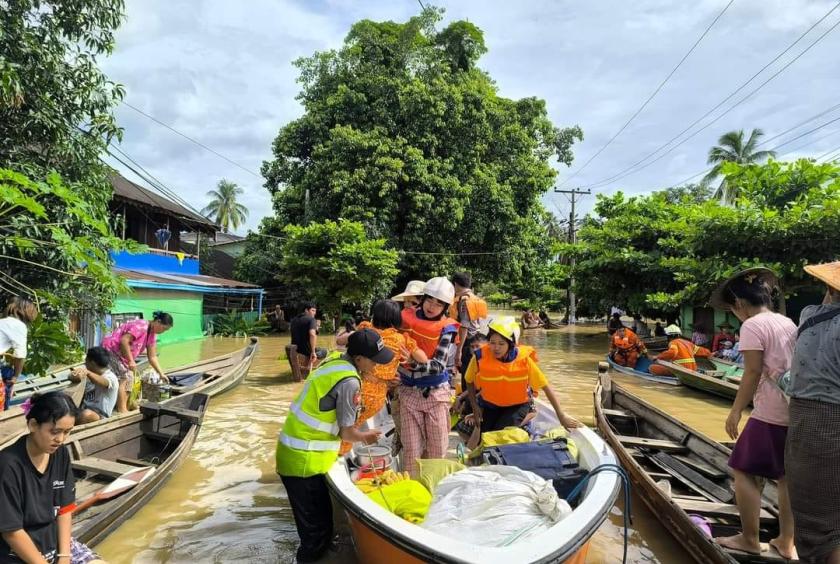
700, 482
101, 466
656, 444
690, 497
135, 462
164, 436
717, 509
709, 471
618, 414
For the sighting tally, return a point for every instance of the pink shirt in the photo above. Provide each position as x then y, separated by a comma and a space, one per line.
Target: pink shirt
139, 329
775, 335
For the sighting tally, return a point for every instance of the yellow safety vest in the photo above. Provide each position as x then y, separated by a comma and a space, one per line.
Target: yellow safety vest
309, 442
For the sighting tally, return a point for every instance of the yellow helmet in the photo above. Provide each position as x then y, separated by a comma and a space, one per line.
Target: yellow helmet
507, 327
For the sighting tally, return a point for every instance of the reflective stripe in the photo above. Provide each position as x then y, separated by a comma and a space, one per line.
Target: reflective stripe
301, 444
310, 421
684, 361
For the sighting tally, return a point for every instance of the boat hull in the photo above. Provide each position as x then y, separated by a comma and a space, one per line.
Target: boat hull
702, 382
669, 380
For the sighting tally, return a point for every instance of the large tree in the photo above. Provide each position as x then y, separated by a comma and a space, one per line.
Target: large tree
56, 116
404, 133
223, 207
732, 148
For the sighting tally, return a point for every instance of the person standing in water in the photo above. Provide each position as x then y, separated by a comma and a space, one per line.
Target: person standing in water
767, 341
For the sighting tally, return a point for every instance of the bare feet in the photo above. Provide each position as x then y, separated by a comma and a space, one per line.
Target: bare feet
738, 542
785, 549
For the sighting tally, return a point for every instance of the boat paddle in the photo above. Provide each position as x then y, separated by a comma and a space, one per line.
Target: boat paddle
118, 486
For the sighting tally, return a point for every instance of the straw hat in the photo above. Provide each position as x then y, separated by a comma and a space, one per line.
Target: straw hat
828, 272
413, 288
717, 301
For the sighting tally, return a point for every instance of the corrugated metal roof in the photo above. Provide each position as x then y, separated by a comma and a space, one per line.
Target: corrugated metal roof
126, 189
191, 279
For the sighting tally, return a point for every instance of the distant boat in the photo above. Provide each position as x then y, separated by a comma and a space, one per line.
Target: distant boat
718, 377
641, 371
680, 474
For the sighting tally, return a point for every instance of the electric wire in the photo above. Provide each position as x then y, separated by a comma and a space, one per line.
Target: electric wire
633, 167
190, 139
651, 97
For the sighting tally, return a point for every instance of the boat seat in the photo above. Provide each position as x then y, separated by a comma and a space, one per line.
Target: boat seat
96, 465
654, 444
151, 409
618, 414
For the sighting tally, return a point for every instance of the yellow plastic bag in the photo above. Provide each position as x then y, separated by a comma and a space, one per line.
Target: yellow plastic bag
562, 433
134, 392
433, 470
407, 499
507, 436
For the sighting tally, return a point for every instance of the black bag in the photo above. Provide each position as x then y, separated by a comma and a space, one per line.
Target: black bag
550, 460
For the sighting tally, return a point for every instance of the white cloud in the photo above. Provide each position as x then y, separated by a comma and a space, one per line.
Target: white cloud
222, 72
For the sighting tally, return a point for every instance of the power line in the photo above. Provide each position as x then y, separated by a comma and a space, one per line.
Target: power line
807, 133
188, 138
651, 97
632, 168
800, 124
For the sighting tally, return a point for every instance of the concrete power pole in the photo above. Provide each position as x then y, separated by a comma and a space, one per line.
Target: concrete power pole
573, 197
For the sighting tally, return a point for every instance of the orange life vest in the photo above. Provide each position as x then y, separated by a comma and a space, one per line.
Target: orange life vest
425, 332
630, 341
503, 383
476, 307
685, 353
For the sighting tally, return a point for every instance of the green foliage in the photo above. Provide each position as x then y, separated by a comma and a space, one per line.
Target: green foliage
234, 324
55, 245
403, 133
651, 254
336, 264
50, 345
733, 148
223, 207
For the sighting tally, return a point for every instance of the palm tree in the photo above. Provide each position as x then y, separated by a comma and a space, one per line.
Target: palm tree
223, 207
732, 149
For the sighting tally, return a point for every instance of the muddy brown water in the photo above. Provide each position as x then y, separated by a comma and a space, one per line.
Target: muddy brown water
226, 504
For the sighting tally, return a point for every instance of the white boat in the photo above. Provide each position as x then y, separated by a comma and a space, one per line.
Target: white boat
644, 362
380, 537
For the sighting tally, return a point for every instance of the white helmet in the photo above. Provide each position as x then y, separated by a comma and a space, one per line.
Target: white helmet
673, 329
440, 288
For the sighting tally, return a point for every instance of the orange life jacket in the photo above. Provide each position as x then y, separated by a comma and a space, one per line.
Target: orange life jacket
685, 353
503, 383
629, 343
476, 307
425, 332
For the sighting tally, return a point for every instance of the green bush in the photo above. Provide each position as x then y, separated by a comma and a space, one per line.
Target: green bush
50, 345
234, 324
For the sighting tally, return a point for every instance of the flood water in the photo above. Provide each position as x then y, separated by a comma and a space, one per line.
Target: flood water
226, 504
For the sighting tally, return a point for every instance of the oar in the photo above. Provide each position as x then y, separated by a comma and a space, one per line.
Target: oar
117, 487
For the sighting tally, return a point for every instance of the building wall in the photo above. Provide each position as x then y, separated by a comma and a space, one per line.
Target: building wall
687, 316
151, 262
184, 307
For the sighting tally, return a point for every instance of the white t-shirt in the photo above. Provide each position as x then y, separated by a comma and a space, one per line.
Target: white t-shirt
99, 398
13, 336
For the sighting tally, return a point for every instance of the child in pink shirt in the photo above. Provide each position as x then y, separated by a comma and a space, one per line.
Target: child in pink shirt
767, 341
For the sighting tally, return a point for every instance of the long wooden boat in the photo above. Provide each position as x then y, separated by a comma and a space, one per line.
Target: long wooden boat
679, 473
641, 371
56, 380
719, 377
381, 537
211, 377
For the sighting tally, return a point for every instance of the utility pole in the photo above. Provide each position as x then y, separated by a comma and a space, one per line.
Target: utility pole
573, 197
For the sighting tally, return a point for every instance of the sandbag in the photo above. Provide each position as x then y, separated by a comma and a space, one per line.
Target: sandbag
494, 506
408, 499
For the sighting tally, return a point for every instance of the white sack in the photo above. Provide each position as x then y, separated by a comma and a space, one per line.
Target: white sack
494, 506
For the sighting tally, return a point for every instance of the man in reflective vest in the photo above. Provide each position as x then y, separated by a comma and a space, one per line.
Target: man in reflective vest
680, 351
471, 312
322, 415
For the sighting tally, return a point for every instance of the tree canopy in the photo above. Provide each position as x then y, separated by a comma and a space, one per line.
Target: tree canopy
403, 133
223, 207
654, 253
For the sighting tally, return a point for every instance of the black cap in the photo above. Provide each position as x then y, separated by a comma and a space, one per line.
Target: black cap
369, 344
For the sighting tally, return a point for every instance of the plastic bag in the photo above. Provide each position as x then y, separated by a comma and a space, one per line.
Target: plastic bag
506, 436
433, 470
407, 499
494, 506
135, 391
562, 433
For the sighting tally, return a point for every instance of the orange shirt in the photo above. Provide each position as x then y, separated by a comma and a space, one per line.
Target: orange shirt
628, 343
683, 352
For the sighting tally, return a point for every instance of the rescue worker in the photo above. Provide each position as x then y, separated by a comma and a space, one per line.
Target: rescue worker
680, 351
425, 392
323, 414
625, 347
507, 376
471, 312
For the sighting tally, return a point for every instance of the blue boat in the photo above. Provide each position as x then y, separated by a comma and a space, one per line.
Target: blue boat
641, 371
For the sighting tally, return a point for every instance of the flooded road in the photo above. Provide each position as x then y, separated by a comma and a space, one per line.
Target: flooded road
226, 503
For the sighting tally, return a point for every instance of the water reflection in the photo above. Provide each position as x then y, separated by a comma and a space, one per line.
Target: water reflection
226, 503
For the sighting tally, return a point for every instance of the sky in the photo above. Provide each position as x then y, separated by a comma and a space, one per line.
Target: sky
222, 73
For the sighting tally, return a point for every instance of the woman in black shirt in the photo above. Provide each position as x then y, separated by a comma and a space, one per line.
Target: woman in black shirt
38, 489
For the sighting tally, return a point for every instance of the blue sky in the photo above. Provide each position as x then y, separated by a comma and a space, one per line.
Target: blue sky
221, 72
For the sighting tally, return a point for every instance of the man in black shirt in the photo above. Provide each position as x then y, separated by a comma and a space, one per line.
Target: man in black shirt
304, 331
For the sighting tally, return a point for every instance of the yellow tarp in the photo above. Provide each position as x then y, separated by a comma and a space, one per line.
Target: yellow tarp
408, 499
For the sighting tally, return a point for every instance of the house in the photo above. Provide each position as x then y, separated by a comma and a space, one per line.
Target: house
165, 277
224, 249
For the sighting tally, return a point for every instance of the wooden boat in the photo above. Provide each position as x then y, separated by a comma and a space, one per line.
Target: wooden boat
678, 473
656, 343
640, 371
714, 376
211, 377
56, 380
381, 537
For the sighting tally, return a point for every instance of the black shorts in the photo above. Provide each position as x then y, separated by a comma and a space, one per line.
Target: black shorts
496, 418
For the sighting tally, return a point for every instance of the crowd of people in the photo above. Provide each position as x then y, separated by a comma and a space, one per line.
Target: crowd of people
432, 351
